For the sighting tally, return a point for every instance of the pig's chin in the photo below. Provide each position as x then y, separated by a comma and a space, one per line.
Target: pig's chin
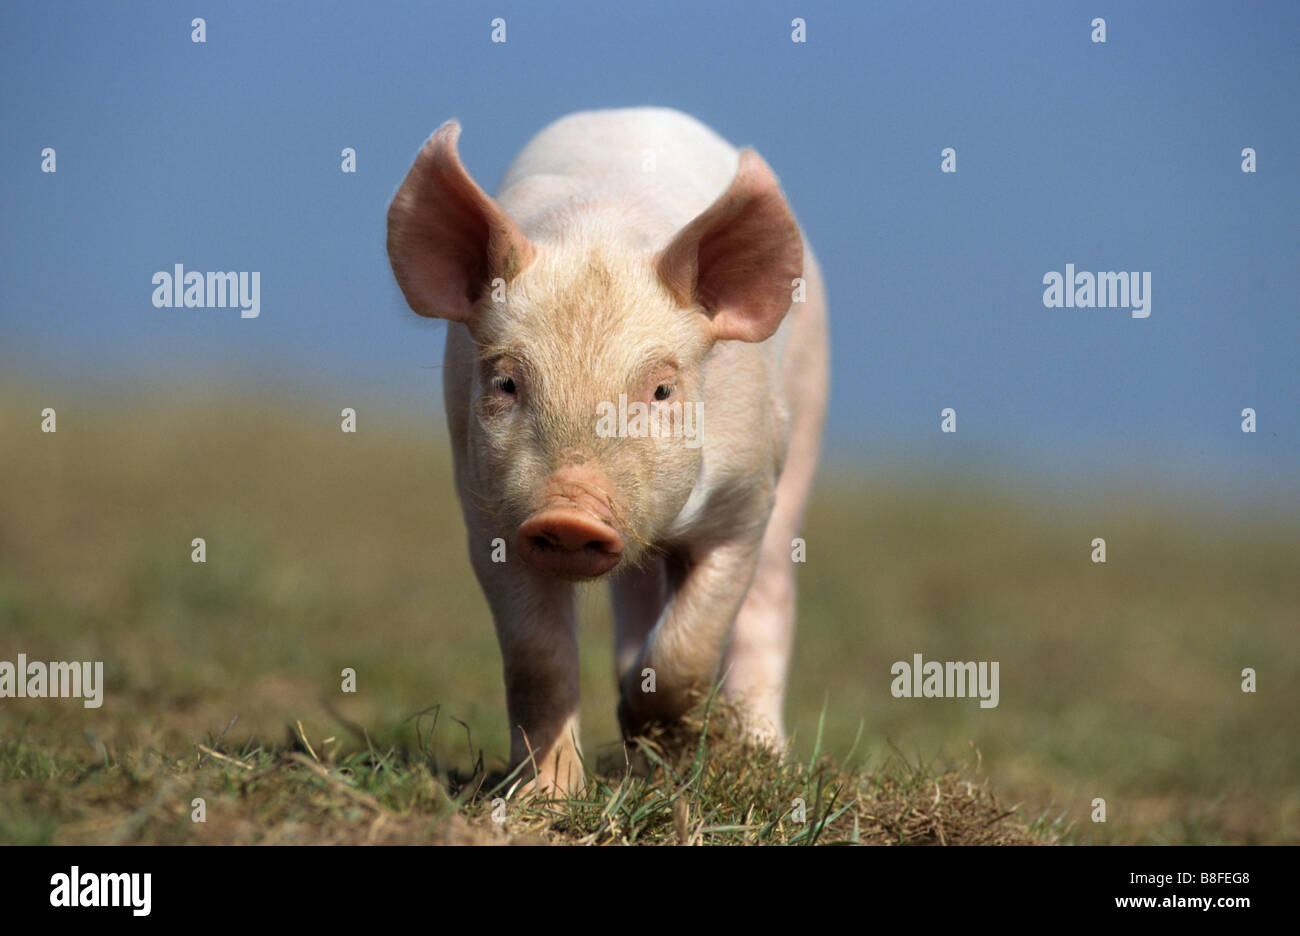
574, 567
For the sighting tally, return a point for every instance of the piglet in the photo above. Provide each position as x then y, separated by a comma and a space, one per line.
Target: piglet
635, 380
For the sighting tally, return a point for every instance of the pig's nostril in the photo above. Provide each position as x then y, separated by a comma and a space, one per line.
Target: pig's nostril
570, 543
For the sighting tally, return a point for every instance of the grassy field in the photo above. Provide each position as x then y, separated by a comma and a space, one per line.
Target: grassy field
326, 551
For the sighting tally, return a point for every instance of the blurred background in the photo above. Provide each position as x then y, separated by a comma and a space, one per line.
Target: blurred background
327, 549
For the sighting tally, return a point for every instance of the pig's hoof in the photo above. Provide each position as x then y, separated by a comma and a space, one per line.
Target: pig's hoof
557, 777
667, 737
632, 723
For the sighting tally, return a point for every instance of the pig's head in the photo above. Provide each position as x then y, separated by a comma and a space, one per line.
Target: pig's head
578, 326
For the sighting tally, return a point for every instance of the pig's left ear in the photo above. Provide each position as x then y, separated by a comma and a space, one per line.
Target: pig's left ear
738, 258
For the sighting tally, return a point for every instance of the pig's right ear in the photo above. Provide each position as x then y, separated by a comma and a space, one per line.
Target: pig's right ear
446, 237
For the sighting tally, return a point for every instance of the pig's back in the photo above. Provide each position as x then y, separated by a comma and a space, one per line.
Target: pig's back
665, 164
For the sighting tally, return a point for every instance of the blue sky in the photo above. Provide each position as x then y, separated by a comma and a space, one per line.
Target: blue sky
1122, 156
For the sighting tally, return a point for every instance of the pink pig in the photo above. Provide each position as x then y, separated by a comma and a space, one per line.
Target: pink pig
633, 263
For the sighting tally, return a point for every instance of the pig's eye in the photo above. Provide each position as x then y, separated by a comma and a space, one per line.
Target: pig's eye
663, 391
504, 384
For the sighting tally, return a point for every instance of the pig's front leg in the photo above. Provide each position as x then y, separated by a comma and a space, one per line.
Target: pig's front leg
685, 646
535, 627
639, 596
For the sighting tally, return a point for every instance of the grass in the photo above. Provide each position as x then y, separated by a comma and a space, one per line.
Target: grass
328, 551
712, 790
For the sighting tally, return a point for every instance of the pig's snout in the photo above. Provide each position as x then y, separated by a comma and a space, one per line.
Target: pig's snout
569, 543
571, 533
